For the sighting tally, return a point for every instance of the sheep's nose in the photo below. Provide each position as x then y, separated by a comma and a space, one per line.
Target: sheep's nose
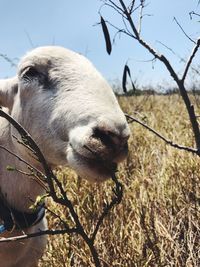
110, 144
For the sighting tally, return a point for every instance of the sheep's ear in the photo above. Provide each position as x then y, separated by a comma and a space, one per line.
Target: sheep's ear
8, 90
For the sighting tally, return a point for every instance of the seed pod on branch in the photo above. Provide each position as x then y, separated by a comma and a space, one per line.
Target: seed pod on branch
124, 78
106, 36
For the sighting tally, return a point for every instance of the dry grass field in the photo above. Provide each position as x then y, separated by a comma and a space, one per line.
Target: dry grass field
158, 221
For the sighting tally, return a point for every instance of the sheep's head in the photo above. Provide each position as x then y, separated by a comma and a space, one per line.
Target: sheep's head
69, 109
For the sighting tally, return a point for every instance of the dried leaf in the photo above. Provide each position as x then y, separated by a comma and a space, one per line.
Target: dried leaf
106, 36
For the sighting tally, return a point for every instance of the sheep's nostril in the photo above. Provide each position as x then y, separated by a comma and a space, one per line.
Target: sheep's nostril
110, 139
108, 145
104, 136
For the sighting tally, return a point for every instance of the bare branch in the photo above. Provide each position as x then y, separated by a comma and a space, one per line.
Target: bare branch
170, 49
118, 191
116, 7
63, 200
126, 32
126, 28
162, 58
140, 16
58, 217
167, 141
9, 60
193, 13
179, 57
40, 233
179, 82
188, 64
131, 8
26, 136
22, 160
184, 31
128, 16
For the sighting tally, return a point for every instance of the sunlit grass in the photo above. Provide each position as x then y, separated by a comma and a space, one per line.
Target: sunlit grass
158, 220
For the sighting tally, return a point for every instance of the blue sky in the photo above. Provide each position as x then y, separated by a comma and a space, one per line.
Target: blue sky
28, 24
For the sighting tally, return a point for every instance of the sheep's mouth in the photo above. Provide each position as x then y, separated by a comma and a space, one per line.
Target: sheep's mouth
94, 166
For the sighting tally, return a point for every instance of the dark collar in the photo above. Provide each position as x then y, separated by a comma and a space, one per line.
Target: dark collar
14, 219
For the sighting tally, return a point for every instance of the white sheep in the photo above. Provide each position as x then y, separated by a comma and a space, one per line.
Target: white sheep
65, 104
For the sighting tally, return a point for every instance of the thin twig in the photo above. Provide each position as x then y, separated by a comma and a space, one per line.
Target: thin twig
40, 233
178, 56
140, 16
58, 217
50, 177
63, 200
118, 191
184, 31
131, 8
188, 64
23, 143
9, 60
126, 32
126, 12
116, 6
170, 49
24, 161
113, 7
31, 175
193, 13
162, 58
167, 141
179, 82
26, 136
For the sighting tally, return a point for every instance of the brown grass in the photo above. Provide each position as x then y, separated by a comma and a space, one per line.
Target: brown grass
158, 222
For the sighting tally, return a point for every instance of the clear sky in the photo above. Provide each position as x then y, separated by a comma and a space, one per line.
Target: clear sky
71, 23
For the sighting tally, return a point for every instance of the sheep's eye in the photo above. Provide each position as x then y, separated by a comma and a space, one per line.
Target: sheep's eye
30, 73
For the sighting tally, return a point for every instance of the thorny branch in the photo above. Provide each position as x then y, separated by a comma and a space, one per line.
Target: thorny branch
62, 199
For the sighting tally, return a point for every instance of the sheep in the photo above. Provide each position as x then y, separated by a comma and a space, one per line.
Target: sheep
66, 105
